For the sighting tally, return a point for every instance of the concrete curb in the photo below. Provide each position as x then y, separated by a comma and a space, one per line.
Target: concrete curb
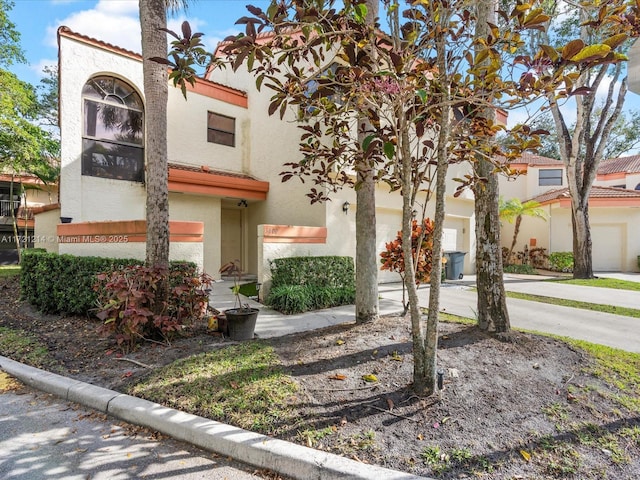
261, 451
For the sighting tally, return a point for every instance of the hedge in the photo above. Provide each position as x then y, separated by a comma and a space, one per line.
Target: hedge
64, 283
300, 284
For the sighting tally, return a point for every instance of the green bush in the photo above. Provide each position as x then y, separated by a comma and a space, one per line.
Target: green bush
329, 271
290, 299
300, 284
522, 269
64, 283
561, 261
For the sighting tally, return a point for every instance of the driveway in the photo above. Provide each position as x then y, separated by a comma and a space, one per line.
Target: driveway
460, 298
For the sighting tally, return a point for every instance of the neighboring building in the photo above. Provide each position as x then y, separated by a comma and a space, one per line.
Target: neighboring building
227, 200
20, 197
614, 210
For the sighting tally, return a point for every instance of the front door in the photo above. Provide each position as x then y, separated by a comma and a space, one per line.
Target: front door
231, 236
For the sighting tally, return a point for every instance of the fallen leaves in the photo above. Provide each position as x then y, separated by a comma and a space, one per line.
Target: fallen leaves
337, 376
370, 378
395, 356
8, 383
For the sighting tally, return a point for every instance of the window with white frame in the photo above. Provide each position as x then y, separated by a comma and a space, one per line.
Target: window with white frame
550, 176
113, 130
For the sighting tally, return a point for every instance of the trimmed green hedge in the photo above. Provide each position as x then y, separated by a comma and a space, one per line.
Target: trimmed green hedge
300, 284
64, 283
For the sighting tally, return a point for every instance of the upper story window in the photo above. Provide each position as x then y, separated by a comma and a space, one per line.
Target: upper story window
221, 129
113, 130
550, 176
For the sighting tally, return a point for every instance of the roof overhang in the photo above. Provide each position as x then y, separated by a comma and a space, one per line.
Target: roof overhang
216, 184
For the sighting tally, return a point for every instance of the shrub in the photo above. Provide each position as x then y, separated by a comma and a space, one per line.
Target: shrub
300, 284
64, 283
561, 261
327, 271
127, 302
290, 299
539, 257
392, 258
522, 269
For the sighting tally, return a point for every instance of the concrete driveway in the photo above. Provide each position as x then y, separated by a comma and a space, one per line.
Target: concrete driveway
460, 298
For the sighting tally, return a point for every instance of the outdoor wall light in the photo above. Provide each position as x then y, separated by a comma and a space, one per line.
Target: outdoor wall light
243, 203
345, 207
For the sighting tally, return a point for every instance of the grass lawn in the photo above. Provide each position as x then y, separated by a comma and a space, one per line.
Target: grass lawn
601, 282
596, 307
9, 270
242, 384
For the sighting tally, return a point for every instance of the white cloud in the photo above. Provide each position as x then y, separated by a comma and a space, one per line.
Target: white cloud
112, 22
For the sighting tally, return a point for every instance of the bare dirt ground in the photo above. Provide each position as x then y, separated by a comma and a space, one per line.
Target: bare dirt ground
521, 410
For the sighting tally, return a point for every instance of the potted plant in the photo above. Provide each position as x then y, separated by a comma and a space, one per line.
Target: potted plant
241, 320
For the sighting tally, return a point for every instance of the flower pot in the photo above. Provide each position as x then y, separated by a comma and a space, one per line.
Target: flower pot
241, 322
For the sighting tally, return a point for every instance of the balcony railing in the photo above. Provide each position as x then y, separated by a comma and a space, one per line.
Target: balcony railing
6, 206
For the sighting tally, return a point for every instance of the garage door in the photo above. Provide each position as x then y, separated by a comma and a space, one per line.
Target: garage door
607, 247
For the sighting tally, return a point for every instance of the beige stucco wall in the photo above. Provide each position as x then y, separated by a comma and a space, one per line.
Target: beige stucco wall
201, 209
187, 133
189, 251
38, 195
44, 230
616, 244
530, 228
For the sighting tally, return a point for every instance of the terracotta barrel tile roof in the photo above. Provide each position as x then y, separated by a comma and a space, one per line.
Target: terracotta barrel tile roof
620, 165
596, 192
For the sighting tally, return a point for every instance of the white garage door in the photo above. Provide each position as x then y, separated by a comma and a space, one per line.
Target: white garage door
607, 247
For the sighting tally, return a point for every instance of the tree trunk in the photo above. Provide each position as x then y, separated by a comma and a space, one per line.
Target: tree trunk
582, 247
516, 231
14, 220
492, 306
366, 254
366, 240
153, 16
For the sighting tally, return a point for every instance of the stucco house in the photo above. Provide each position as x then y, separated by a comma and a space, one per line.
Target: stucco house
20, 197
227, 200
614, 210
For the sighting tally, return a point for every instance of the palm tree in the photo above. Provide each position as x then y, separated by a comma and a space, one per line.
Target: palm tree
513, 210
153, 18
153, 25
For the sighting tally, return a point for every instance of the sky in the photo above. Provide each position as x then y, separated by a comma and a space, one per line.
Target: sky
116, 22
112, 21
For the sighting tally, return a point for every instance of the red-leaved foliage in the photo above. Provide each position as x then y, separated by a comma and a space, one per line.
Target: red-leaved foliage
392, 258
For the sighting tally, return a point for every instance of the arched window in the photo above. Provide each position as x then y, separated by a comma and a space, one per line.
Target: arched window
113, 130
637, 187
